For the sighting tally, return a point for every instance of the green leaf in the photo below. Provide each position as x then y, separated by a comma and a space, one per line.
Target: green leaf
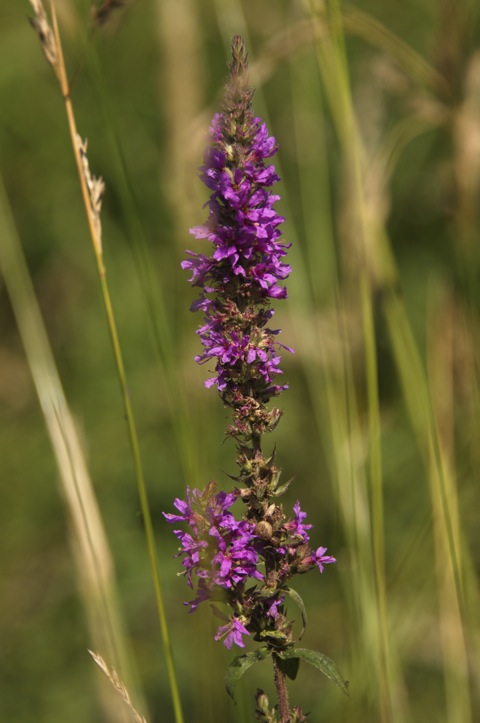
283, 488
289, 667
319, 661
301, 605
240, 665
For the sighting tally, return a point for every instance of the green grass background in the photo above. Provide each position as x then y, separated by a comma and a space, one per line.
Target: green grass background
377, 112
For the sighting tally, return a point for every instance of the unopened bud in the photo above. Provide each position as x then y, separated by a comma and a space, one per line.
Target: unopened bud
298, 716
264, 530
261, 701
270, 510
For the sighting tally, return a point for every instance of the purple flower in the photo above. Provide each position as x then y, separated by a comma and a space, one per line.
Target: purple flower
236, 558
271, 606
202, 595
232, 633
319, 558
192, 550
185, 508
296, 527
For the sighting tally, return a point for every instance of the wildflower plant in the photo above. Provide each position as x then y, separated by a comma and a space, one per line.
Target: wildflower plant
243, 567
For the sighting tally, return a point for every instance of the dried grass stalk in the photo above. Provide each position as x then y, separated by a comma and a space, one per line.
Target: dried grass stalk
45, 33
118, 685
95, 186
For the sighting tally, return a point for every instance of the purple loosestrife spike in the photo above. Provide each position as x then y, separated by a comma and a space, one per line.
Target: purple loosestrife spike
244, 563
245, 269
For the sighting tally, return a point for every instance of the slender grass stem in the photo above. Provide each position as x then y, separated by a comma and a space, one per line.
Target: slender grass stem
112, 327
376, 490
333, 66
381, 267
155, 303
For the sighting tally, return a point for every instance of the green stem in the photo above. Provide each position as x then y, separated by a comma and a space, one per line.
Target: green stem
142, 491
112, 327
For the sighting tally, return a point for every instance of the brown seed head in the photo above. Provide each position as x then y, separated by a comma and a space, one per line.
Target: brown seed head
264, 530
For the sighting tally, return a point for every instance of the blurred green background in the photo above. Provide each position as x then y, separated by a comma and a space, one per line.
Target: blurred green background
376, 108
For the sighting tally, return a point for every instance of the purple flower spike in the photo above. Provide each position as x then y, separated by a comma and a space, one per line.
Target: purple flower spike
245, 269
244, 563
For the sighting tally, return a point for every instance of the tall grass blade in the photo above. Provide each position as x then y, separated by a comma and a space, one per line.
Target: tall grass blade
93, 219
89, 542
375, 254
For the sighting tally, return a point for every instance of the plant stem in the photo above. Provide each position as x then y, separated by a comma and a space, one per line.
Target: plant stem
131, 426
282, 692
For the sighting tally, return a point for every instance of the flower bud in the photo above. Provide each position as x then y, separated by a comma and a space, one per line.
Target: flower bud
271, 509
245, 494
261, 701
264, 530
297, 715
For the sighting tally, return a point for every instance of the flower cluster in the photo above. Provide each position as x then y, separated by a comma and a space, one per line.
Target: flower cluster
231, 559
242, 224
245, 269
219, 549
